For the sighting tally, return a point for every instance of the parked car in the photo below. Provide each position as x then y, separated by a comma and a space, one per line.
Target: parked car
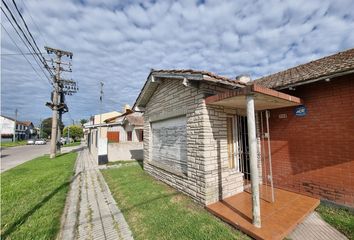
30, 142
40, 142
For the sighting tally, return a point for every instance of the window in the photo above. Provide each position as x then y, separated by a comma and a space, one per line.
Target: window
113, 136
96, 139
129, 136
169, 144
141, 135
230, 141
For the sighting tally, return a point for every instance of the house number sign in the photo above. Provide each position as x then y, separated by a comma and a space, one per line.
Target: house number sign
300, 111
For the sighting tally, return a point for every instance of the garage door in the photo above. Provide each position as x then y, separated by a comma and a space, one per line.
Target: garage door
169, 143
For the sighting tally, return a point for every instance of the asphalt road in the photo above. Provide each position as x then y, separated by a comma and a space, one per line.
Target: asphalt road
13, 156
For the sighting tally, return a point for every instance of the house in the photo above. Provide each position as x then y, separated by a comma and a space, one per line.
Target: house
213, 137
125, 136
313, 145
96, 135
24, 129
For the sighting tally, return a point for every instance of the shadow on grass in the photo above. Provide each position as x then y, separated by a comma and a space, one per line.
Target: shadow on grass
24, 218
141, 164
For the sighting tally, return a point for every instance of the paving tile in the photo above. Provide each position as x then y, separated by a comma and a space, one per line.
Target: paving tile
315, 228
90, 211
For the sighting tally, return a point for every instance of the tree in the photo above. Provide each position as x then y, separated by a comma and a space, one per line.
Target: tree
75, 132
46, 127
83, 121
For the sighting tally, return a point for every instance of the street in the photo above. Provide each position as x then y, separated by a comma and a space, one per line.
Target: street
13, 156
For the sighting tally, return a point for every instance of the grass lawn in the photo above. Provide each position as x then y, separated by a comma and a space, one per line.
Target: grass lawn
154, 210
122, 162
33, 197
340, 218
72, 144
13, 144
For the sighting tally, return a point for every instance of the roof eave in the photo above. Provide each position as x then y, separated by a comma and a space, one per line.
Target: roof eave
330, 76
151, 86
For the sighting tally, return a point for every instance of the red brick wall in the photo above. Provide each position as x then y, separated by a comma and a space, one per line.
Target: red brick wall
314, 154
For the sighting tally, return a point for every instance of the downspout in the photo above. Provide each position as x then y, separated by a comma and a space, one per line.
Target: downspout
252, 142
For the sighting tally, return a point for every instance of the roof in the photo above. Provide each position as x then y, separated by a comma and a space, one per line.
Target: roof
264, 98
26, 123
331, 66
135, 119
191, 75
196, 72
128, 111
10, 118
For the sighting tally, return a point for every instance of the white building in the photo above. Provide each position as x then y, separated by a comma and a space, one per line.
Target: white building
24, 129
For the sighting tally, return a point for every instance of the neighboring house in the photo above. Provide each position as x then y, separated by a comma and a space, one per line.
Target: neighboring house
209, 136
191, 144
24, 129
125, 136
95, 130
7, 128
313, 146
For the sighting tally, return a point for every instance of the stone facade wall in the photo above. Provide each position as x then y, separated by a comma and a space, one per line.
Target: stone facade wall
208, 177
221, 180
173, 99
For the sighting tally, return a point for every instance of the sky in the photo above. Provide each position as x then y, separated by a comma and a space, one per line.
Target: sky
119, 42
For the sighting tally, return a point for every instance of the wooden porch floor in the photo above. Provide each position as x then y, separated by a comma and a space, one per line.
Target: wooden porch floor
278, 218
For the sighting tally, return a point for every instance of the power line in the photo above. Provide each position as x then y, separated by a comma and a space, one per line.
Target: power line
28, 41
14, 54
29, 13
24, 42
22, 52
34, 41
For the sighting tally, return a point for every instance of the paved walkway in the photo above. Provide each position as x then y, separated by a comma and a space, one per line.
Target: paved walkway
90, 211
314, 227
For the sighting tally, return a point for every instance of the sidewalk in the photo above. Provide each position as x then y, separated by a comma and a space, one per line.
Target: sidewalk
315, 228
90, 211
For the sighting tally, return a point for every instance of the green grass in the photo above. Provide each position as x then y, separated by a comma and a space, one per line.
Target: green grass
340, 218
120, 162
154, 210
72, 144
13, 144
33, 197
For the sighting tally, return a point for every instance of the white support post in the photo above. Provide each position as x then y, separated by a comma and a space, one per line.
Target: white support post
252, 142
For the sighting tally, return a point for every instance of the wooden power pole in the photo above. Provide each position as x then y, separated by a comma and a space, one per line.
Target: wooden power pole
61, 87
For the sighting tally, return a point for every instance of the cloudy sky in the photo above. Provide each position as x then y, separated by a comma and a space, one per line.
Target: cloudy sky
118, 42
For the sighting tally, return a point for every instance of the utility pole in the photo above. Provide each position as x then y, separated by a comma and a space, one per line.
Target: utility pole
101, 98
40, 129
102, 142
14, 136
61, 87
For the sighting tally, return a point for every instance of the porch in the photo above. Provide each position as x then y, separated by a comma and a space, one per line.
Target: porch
278, 218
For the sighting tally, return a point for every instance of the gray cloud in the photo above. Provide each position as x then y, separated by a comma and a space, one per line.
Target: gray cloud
118, 42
